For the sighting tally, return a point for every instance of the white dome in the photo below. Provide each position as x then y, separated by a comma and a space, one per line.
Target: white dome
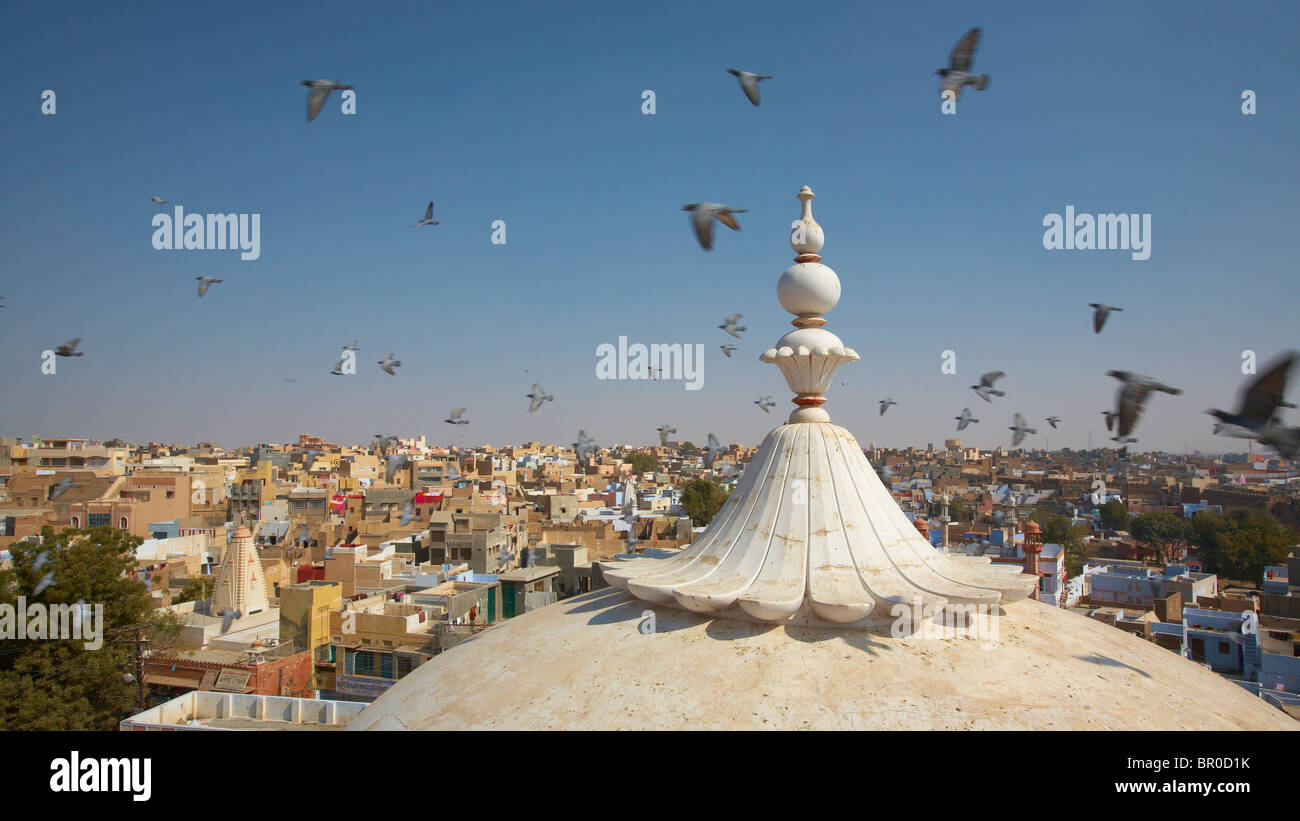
808, 289
581, 664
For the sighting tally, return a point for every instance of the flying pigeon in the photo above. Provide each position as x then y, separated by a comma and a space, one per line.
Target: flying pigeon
714, 450
388, 363
729, 325
320, 90
1110, 418
352, 347
1260, 401
703, 216
749, 82
884, 405
1052, 420
303, 536
538, 395
69, 348
654, 373
764, 402
338, 368
392, 463
290, 380
1286, 441
585, 446
1021, 427
2, 306
985, 388
1099, 315
205, 283
44, 583
385, 440
62, 487
957, 74
158, 200
965, 419
42, 559
664, 431
1133, 396
428, 217
727, 349
408, 512
455, 419
227, 618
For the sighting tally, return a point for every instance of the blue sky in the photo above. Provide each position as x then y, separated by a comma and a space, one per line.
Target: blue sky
531, 113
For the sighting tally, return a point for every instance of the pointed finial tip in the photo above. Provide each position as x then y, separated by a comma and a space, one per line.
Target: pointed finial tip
806, 236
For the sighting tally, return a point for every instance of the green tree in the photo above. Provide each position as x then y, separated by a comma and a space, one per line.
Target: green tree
1157, 530
59, 684
200, 588
702, 499
642, 462
959, 511
1239, 544
1057, 529
1115, 515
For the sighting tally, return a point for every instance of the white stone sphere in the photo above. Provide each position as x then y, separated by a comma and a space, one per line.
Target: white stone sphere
808, 288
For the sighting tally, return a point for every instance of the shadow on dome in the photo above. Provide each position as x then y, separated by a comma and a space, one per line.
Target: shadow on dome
1110, 662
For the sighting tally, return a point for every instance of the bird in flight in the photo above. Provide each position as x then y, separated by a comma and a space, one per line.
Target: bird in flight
1100, 314
537, 396
957, 74
664, 431
205, 283
44, 583
2, 306
158, 200
1257, 414
764, 402
713, 451
428, 217
1133, 396
749, 82
388, 363
455, 418
62, 487
985, 388
727, 349
729, 325
703, 214
320, 90
394, 462
352, 347
1020, 428
1111, 416
585, 446
1052, 420
884, 405
69, 348
965, 419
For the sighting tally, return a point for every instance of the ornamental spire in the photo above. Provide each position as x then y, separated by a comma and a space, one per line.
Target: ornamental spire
808, 356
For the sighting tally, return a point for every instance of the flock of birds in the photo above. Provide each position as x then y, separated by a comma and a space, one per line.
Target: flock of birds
1255, 418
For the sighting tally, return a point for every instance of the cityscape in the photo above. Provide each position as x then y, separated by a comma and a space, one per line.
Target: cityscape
448, 394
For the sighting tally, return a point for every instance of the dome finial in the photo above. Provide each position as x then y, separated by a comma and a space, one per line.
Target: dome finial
806, 237
809, 356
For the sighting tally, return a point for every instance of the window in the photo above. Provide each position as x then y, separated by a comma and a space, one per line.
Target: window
121, 523
98, 519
